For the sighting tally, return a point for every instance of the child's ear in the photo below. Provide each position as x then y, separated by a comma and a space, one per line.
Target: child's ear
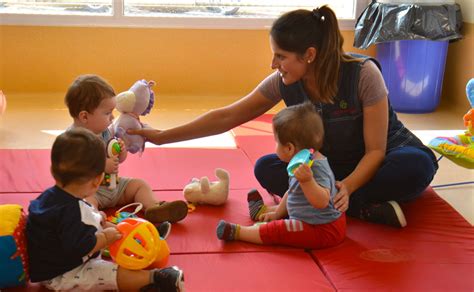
82, 116
98, 180
291, 148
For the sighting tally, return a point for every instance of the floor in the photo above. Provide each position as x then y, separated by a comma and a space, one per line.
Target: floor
31, 121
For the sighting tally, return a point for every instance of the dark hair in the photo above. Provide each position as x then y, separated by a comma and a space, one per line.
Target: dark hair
300, 125
86, 93
77, 155
298, 30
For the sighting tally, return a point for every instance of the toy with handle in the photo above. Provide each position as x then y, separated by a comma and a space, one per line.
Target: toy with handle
113, 149
304, 156
140, 246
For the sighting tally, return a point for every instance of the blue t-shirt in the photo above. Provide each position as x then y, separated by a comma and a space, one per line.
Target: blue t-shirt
298, 206
61, 232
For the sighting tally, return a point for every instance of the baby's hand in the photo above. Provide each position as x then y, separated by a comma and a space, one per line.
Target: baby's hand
303, 173
103, 218
123, 147
267, 217
111, 235
112, 165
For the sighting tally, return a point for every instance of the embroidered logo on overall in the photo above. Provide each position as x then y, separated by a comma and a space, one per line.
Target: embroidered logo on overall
342, 104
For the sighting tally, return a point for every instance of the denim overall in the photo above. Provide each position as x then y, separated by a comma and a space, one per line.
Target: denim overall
407, 170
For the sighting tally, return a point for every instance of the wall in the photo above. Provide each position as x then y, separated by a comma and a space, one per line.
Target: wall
183, 62
46, 59
460, 62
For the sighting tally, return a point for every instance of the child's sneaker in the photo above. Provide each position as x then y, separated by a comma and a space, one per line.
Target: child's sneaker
164, 229
169, 279
388, 213
167, 211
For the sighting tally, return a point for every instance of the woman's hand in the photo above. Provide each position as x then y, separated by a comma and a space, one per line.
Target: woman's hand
149, 134
341, 200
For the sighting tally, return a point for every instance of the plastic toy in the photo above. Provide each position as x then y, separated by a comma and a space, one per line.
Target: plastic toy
201, 191
132, 104
3, 103
304, 156
113, 149
460, 148
120, 215
13, 253
140, 246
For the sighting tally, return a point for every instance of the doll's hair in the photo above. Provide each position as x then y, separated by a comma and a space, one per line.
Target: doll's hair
77, 155
298, 30
300, 125
86, 93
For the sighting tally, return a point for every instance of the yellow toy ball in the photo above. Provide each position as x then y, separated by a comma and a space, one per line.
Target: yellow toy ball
140, 245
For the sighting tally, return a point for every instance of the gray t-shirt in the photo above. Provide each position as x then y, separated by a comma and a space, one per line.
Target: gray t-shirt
371, 85
298, 206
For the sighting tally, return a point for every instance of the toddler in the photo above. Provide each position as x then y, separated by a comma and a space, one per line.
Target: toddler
91, 100
66, 234
313, 221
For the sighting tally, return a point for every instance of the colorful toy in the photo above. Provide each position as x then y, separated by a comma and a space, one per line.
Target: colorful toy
460, 148
140, 246
120, 215
3, 103
113, 149
201, 191
304, 156
132, 104
13, 253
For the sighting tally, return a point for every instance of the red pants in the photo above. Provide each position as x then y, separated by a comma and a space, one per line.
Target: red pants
299, 234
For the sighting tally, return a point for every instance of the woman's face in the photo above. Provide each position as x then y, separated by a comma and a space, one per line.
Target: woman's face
291, 66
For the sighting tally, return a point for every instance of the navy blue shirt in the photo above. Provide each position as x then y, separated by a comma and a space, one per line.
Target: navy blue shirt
60, 232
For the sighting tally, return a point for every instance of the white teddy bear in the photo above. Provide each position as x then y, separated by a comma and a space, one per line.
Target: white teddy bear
201, 191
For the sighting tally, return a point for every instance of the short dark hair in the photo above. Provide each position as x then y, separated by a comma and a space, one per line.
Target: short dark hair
300, 125
77, 155
86, 93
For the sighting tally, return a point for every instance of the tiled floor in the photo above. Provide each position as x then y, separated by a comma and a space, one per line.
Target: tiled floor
31, 121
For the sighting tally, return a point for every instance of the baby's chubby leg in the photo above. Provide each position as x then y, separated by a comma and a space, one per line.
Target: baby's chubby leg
138, 190
230, 231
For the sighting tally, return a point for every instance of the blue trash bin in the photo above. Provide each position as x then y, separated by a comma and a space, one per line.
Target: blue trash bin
413, 71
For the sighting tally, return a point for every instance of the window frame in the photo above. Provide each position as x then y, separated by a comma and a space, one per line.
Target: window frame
120, 20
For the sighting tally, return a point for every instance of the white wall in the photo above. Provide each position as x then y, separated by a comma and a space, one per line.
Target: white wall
467, 9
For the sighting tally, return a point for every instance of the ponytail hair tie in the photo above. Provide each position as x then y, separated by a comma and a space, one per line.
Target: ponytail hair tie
317, 15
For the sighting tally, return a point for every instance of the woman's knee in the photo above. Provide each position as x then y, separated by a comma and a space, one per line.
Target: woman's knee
270, 172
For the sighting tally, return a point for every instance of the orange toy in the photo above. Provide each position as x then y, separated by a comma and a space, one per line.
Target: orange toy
140, 246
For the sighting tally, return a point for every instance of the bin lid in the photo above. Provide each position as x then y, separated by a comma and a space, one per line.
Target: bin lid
383, 22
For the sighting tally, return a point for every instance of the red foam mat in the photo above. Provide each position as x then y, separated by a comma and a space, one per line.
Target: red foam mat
255, 138
197, 232
275, 271
163, 168
434, 252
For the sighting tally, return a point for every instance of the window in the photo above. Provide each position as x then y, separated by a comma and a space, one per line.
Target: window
246, 14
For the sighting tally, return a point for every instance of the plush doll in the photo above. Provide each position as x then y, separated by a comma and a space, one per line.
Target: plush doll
132, 104
460, 148
201, 191
13, 253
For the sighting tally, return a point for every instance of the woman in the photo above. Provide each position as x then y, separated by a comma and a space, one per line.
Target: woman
376, 160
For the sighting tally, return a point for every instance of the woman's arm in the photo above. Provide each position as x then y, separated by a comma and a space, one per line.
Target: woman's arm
213, 122
375, 137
